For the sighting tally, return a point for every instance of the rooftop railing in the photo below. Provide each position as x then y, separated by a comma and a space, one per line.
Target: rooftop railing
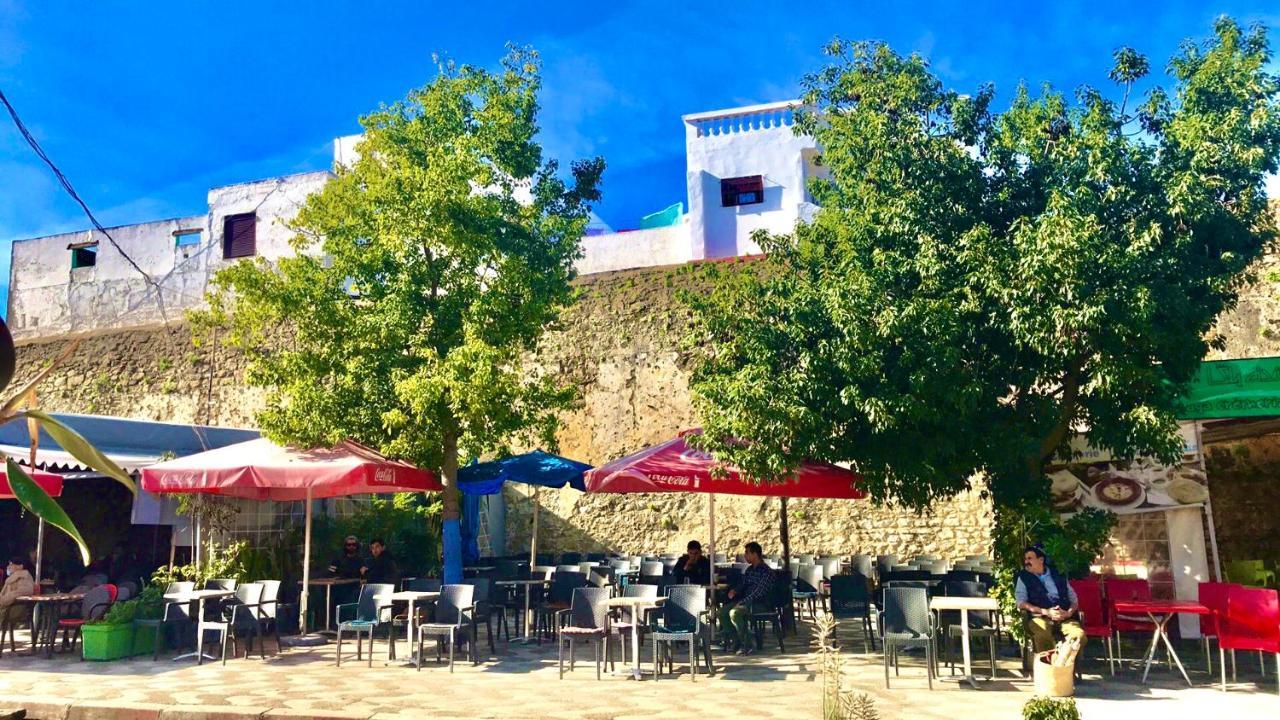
744, 119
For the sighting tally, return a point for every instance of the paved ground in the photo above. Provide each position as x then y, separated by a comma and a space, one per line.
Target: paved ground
521, 682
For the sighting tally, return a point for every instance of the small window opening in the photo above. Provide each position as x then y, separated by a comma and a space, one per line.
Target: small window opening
742, 191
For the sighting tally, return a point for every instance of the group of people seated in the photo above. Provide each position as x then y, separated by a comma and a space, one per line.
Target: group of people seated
375, 567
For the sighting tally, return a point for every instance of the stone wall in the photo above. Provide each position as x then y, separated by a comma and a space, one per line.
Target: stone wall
620, 345
1244, 478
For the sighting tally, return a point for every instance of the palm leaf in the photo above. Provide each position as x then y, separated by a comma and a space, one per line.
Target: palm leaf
81, 449
37, 501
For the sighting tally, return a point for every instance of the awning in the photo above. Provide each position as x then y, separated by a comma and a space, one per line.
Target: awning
132, 444
1234, 389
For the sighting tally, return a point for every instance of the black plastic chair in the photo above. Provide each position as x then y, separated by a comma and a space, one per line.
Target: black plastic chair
587, 618
371, 611
681, 620
451, 623
486, 612
850, 598
863, 564
175, 612
570, 558
906, 622
885, 563
239, 613
778, 611
625, 618
558, 598
808, 588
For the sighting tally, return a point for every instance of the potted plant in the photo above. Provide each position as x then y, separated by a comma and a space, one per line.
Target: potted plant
114, 635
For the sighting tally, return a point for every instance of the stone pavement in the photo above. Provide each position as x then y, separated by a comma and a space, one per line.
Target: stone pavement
521, 682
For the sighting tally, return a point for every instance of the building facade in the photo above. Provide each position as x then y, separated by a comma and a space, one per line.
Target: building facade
746, 171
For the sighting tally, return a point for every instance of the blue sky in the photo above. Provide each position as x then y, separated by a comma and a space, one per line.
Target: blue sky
147, 105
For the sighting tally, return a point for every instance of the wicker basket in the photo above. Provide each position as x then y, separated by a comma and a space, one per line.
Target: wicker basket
1053, 680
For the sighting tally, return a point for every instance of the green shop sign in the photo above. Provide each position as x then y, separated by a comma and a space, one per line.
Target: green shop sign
1234, 389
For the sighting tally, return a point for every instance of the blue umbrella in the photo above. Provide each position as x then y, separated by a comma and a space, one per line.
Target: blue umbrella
533, 468
537, 468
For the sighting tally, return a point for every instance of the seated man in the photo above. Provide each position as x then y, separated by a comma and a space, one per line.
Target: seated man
380, 567
693, 567
347, 564
1048, 599
17, 582
752, 592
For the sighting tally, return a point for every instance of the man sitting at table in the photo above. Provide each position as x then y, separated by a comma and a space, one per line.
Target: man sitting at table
17, 582
1048, 600
751, 594
347, 564
693, 567
380, 567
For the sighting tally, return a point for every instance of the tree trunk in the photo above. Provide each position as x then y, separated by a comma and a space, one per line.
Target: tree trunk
451, 532
786, 536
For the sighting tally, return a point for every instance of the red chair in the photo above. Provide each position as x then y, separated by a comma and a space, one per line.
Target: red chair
95, 604
1252, 623
1123, 591
1094, 617
1212, 595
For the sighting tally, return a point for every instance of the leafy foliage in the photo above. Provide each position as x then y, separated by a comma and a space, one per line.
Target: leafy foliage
977, 285
1046, 708
149, 604
423, 273
219, 561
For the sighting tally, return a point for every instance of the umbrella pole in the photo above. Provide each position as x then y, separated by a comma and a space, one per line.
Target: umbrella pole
711, 540
533, 536
39, 549
306, 569
786, 537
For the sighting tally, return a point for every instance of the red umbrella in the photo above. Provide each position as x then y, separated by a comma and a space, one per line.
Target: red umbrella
262, 470
673, 466
51, 483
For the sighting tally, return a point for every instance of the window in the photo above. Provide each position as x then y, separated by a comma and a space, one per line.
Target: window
84, 255
239, 236
742, 191
186, 238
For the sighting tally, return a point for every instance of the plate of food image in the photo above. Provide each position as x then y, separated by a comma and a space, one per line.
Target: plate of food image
1065, 490
1117, 492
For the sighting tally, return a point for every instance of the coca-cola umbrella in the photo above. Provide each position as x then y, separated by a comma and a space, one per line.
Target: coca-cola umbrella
51, 483
674, 466
262, 470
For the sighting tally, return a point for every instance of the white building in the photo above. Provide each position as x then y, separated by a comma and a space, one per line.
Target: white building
746, 171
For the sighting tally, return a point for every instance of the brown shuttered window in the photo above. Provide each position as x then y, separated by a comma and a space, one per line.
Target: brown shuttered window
239, 238
742, 191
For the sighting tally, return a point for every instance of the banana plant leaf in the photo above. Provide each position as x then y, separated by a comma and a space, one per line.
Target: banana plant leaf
81, 449
37, 501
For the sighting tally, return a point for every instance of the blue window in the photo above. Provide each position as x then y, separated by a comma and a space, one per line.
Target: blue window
186, 238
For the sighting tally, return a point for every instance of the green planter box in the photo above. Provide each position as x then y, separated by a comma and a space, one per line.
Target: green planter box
113, 641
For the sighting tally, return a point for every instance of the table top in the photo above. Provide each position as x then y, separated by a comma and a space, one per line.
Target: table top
521, 582
945, 602
1162, 606
415, 595
198, 595
480, 568
50, 597
635, 601
331, 581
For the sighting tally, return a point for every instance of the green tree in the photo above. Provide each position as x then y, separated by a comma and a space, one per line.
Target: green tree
421, 275
978, 285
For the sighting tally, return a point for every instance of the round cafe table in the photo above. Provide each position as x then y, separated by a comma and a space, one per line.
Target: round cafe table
1160, 612
48, 607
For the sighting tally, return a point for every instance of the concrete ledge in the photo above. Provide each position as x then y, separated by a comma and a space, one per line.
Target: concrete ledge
39, 707
212, 712
114, 710
297, 714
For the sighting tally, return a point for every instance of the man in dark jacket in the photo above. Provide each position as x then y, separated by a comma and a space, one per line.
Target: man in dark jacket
380, 567
693, 567
1048, 600
347, 564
